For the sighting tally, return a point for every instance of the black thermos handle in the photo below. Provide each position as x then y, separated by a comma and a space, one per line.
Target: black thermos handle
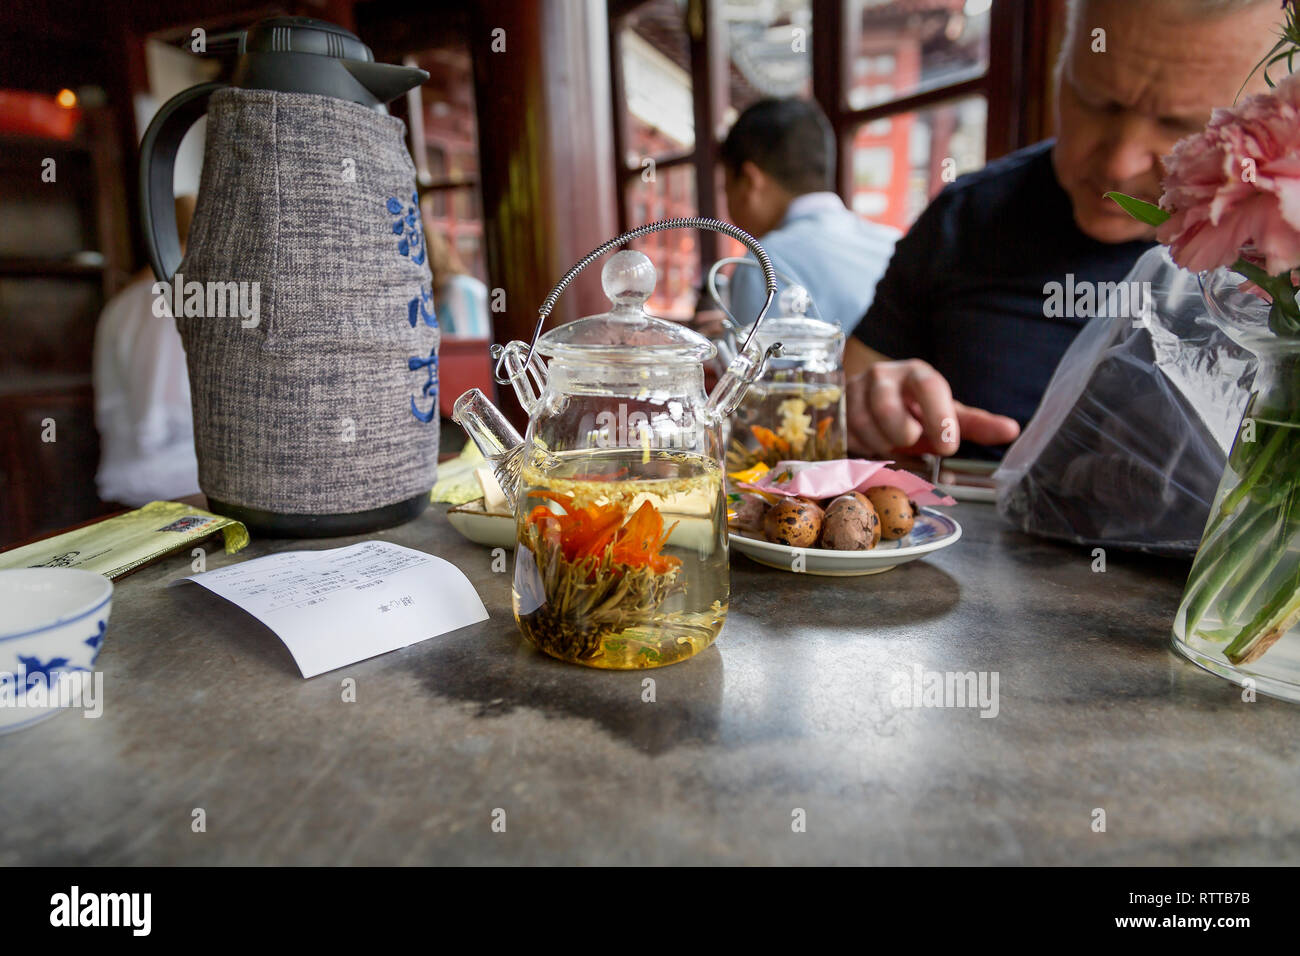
158, 166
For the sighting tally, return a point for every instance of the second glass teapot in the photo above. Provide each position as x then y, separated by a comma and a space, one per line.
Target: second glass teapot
618, 491
796, 410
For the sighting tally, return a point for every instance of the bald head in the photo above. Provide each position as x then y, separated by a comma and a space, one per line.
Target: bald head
1134, 77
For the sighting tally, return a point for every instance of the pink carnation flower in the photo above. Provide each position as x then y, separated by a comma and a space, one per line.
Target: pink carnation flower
1216, 210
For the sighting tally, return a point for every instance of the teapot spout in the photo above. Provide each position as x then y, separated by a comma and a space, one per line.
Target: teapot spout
743, 371
728, 343
495, 437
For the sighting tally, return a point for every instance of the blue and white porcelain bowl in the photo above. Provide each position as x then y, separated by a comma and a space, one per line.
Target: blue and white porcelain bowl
52, 622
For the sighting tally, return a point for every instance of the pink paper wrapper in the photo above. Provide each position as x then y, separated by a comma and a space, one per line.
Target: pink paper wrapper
829, 479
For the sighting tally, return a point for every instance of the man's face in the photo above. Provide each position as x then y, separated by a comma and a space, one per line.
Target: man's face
1121, 110
754, 202
736, 206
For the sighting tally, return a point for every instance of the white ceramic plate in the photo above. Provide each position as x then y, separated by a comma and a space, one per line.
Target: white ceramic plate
933, 530
483, 527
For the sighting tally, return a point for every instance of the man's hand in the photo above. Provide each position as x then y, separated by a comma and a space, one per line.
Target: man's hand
908, 406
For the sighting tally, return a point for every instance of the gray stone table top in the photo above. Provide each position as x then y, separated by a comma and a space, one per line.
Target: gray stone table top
797, 707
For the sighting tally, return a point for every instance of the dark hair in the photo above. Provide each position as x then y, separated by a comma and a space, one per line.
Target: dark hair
790, 140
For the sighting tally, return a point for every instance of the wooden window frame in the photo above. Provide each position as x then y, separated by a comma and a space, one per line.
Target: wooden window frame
709, 98
1015, 85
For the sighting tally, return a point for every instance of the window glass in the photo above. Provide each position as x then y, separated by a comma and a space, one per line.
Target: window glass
901, 47
669, 194
656, 57
452, 201
769, 46
901, 163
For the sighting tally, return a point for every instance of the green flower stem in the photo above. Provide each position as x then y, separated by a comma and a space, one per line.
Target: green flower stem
1273, 620
1214, 544
1230, 544
1233, 567
1252, 575
1254, 471
1284, 315
1214, 565
1255, 274
1241, 552
1220, 539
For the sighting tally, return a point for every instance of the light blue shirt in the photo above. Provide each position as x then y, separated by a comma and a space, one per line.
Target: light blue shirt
837, 256
462, 308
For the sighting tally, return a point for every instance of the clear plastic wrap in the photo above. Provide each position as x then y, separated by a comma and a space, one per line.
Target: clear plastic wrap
1131, 438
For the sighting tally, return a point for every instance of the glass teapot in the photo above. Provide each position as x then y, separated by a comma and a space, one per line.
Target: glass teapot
796, 409
617, 486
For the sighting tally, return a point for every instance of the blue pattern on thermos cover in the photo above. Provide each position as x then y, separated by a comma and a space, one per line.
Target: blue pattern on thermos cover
412, 245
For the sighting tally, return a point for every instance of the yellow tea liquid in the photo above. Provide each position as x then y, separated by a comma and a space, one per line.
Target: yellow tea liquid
787, 421
600, 612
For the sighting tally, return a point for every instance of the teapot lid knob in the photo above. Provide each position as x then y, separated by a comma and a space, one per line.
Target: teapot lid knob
628, 278
793, 300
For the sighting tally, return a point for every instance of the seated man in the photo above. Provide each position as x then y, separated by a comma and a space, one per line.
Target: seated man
779, 164
963, 302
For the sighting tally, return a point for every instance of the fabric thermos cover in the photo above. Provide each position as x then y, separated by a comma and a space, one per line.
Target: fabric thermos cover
318, 395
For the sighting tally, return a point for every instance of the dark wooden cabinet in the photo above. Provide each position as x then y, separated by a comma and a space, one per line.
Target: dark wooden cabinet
49, 450
63, 252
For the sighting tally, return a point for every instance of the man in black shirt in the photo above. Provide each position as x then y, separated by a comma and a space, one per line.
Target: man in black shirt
965, 296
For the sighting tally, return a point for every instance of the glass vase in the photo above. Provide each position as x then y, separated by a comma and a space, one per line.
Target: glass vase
1240, 612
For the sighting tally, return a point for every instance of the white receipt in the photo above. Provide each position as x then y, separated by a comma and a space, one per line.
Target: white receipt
334, 608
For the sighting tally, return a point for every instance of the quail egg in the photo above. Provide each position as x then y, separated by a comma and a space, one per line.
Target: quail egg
794, 522
851, 524
897, 513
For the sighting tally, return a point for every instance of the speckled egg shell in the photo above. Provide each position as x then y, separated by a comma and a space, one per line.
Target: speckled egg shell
846, 529
793, 522
851, 500
808, 501
749, 513
897, 514
852, 504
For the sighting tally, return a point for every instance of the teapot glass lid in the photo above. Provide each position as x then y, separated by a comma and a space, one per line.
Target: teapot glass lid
793, 327
626, 333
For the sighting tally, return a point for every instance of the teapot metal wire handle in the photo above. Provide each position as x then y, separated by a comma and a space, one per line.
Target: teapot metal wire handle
711, 285
689, 222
